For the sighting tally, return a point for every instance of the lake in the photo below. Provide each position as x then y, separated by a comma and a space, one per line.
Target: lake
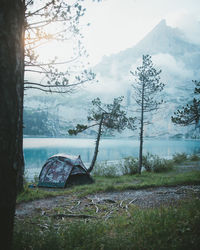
38, 150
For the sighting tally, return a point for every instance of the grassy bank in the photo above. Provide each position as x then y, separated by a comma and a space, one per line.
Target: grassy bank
104, 184
161, 228
159, 172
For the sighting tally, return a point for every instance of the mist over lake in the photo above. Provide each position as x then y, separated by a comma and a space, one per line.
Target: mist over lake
38, 150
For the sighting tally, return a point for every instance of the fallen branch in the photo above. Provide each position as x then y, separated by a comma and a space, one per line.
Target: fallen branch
78, 203
121, 203
132, 201
44, 226
82, 216
94, 204
108, 215
97, 209
108, 200
69, 210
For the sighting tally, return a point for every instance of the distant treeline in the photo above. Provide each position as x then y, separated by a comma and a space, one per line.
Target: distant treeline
40, 123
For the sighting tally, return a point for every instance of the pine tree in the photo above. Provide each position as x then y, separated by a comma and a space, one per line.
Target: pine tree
189, 114
146, 87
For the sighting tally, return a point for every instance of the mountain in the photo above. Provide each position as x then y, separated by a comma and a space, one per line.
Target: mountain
171, 51
179, 60
162, 39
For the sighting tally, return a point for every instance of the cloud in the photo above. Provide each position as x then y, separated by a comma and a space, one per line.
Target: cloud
169, 64
174, 73
107, 87
188, 22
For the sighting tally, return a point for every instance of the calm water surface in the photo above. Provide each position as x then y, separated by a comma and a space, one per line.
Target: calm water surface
38, 150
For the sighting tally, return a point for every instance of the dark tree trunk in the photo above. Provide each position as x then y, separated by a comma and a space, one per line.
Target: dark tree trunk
11, 110
20, 164
141, 131
96, 150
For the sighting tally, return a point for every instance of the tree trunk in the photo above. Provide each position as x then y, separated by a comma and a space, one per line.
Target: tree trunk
20, 164
141, 132
96, 150
11, 110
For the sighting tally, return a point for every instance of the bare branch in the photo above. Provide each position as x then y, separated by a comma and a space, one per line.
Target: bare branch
33, 85
52, 63
38, 10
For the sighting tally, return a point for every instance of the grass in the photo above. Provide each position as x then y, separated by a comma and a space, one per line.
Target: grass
105, 184
30, 194
171, 228
107, 179
168, 227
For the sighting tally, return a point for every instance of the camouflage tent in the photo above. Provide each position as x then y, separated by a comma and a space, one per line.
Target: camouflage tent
62, 170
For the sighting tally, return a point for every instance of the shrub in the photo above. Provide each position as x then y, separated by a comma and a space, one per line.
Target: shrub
147, 161
105, 169
153, 163
162, 165
130, 165
194, 157
179, 157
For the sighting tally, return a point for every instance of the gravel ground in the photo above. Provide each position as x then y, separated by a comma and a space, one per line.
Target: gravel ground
151, 197
146, 198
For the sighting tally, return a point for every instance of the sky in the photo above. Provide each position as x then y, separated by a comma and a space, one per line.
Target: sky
116, 25
120, 24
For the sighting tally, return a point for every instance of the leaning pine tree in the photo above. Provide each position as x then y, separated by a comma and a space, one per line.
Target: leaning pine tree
107, 118
146, 87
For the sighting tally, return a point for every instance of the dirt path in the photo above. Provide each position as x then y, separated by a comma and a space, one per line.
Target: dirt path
148, 198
